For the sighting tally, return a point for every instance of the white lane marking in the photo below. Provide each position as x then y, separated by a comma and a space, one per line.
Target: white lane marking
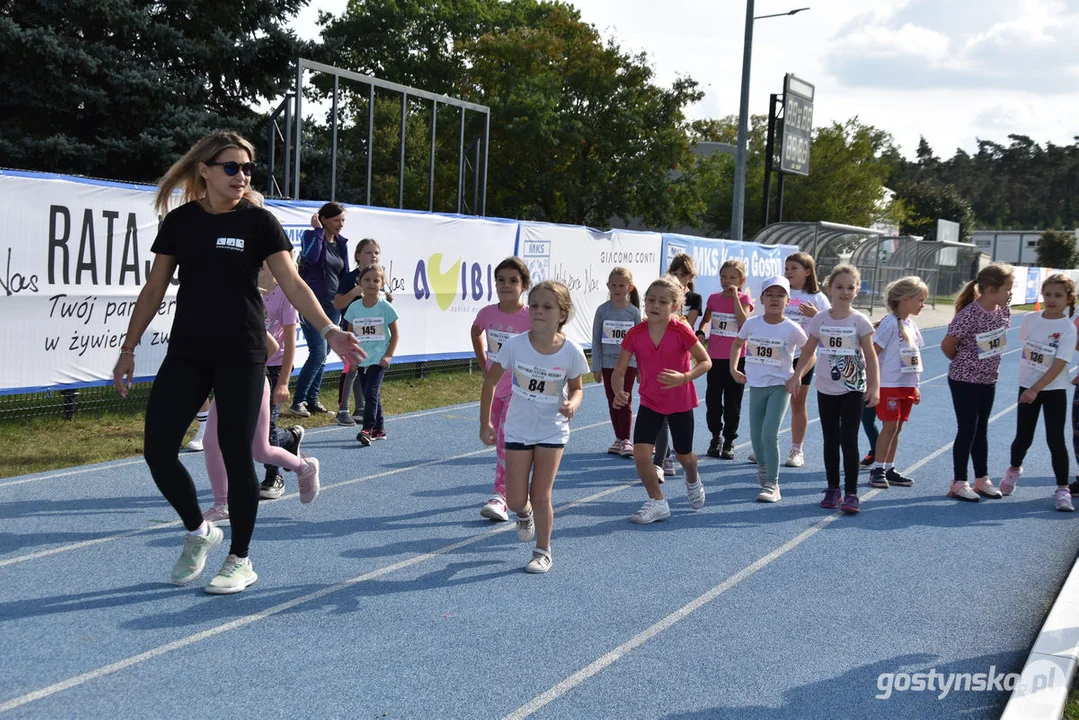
604, 661
238, 623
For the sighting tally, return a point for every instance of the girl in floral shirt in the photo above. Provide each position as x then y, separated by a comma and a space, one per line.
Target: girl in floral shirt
976, 340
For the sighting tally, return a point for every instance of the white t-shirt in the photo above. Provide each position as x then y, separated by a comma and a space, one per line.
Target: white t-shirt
1043, 342
793, 311
841, 362
770, 350
539, 385
900, 361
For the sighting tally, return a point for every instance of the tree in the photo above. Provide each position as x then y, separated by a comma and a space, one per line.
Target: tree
929, 201
119, 88
1057, 249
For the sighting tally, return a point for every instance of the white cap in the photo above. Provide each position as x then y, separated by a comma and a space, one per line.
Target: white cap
774, 281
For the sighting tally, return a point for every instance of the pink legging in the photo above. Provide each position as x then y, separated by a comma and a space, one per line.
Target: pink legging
499, 408
260, 448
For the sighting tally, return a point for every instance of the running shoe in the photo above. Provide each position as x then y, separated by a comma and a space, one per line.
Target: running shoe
194, 445
296, 410
364, 436
1011, 479
769, 494
378, 434
1063, 499
615, 448
984, 487
540, 562
868, 461
695, 493
878, 478
495, 509
795, 458
193, 557
713, 447
627, 449
317, 407
960, 490
235, 575
357, 417
1074, 487
343, 418
832, 498
652, 511
293, 443
217, 514
272, 487
526, 528
668, 467
307, 478
659, 472
727, 453
894, 478
850, 505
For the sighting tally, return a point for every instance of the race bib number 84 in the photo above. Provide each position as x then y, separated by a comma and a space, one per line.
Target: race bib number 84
538, 384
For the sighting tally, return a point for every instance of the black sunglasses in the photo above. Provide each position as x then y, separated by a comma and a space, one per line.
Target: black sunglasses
232, 167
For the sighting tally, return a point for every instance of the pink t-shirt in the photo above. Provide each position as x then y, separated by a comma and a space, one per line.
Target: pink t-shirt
279, 313
499, 327
672, 354
724, 327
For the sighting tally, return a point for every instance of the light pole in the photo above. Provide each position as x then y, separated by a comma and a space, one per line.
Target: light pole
739, 201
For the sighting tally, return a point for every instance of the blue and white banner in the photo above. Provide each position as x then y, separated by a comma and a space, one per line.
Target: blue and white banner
761, 261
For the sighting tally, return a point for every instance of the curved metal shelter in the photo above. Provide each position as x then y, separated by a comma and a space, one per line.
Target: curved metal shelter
827, 242
943, 265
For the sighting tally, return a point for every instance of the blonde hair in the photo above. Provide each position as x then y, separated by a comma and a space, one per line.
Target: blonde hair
624, 272
184, 173
683, 263
562, 298
670, 284
806, 260
897, 291
356, 256
735, 264
844, 269
1069, 289
990, 276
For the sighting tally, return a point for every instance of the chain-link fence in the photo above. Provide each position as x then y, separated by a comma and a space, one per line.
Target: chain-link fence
105, 399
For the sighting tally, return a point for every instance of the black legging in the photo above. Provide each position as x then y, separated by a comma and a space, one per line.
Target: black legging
973, 403
840, 418
1054, 404
175, 397
724, 417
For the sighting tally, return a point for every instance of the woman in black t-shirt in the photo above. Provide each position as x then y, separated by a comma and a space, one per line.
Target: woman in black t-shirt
218, 239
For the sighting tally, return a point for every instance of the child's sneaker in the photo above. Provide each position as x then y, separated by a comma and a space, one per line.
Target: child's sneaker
894, 478
378, 434
343, 418
878, 478
659, 472
1074, 488
615, 448
1011, 479
695, 493
236, 575
668, 467
218, 514
832, 497
713, 447
296, 410
795, 458
308, 480
193, 557
194, 445
526, 528
1063, 499
364, 436
727, 453
850, 505
960, 490
627, 449
272, 487
652, 511
296, 433
540, 562
495, 509
317, 407
868, 461
769, 494
984, 487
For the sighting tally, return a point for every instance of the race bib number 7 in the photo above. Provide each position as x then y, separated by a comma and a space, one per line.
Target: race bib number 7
495, 339
991, 343
764, 351
538, 384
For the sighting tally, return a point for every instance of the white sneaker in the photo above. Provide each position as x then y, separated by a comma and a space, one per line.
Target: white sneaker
769, 494
659, 472
1010, 480
795, 458
984, 487
307, 479
695, 493
218, 514
193, 558
495, 509
540, 562
627, 449
669, 468
1063, 498
526, 528
615, 448
195, 445
652, 511
236, 575
960, 490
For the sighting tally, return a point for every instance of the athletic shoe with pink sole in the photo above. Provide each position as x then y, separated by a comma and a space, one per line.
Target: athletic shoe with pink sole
308, 480
1010, 480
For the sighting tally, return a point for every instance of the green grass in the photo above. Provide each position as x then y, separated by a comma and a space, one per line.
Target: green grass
1071, 708
50, 442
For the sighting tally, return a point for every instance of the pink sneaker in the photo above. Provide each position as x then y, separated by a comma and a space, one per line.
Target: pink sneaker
218, 515
308, 479
1010, 480
627, 449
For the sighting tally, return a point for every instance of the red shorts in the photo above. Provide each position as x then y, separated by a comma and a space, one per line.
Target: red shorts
895, 403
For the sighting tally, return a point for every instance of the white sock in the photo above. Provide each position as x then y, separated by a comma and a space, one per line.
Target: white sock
880, 466
888, 466
796, 446
202, 530
202, 418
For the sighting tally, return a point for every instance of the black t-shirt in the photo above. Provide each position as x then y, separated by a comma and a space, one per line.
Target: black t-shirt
693, 302
219, 310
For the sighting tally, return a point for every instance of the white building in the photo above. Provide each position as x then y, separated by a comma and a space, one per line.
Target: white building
1017, 247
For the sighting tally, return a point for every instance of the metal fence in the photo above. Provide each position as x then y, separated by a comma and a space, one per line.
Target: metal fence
944, 267
105, 400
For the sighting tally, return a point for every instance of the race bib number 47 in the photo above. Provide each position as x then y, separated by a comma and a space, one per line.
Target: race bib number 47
724, 325
538, 384
991, 343
764, 351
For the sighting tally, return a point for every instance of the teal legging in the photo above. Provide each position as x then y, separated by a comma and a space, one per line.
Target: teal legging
767, 406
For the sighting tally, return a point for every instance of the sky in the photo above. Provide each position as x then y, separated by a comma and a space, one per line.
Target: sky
953, 71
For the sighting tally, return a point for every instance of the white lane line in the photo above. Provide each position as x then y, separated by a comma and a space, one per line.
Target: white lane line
189, 640
176, 523
597, 666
